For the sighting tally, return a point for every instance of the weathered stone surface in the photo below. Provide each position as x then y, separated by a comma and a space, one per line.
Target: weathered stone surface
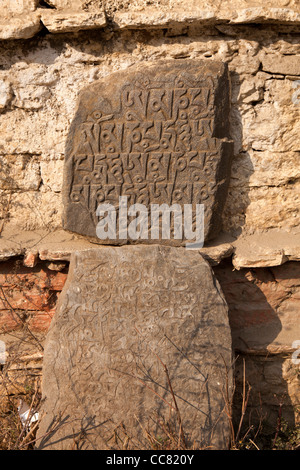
276, 63
214, 255
157, 134
274, 383
23, 19
51, 246
40, 92
5, 94
272, 248
20, 27
71, 21
171, 14
19, 172
51, 171
124, 313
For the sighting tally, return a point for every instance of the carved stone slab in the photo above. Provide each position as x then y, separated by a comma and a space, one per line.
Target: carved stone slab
156, 133
135, 325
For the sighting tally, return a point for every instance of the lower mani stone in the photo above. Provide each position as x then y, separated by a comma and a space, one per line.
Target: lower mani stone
138, 353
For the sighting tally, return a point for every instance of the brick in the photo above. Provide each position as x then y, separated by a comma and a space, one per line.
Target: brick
263, 306
31, 291
9, 321
40, 321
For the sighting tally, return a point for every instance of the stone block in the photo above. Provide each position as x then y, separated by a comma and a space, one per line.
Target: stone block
139, 333
156, 134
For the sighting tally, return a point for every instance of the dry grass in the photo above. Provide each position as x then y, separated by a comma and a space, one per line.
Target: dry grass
170, 434
14, 435
19, 375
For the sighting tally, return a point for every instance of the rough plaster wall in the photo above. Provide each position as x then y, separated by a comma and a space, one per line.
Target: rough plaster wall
40, 79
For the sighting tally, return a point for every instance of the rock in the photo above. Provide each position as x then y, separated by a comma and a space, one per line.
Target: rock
20, 172
56, 265
271, 248
56, 246
40, 79
24, 19
31, 97
18, 7
204, 12
51, 174
20, 27
36, 206
132, 324
30, 259
5, 94
154, 134
214, 255
274, 379
277, 63
71, 21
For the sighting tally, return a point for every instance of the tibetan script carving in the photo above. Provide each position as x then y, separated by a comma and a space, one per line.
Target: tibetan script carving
157, 134
136, 328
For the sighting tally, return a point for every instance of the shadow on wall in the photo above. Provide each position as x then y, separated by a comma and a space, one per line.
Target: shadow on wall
255, 325
234, 215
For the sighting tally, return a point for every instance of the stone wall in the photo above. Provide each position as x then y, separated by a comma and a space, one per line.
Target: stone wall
264, 319
41, 77
50, 51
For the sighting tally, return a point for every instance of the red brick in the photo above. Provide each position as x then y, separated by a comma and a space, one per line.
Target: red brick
28, 290
53, 280
31, 299
40, 321
9, 321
